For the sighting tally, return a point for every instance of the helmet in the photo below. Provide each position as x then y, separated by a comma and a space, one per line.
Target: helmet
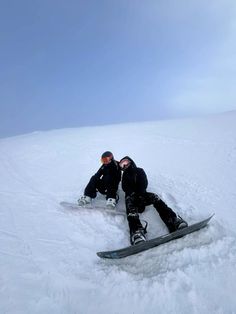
107, 157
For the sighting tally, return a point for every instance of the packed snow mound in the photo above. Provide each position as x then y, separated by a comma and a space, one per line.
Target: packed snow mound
48, 254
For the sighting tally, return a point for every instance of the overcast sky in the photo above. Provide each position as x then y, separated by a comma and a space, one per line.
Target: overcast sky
72, 63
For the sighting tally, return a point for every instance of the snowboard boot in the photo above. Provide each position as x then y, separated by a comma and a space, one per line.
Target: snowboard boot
111, 203
137, 231
84, 200
176, 223
137, 237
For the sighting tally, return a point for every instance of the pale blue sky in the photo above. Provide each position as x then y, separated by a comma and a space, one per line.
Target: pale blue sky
74, 63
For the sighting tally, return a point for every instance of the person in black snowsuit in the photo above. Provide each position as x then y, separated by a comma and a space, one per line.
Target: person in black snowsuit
134, 184
106, 181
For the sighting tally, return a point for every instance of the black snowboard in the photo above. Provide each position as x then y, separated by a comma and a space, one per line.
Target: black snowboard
134, 249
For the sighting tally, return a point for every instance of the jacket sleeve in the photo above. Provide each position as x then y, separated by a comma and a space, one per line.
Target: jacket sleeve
142, 181
99, 173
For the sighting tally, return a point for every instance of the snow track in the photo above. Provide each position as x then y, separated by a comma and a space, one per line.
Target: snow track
48, 261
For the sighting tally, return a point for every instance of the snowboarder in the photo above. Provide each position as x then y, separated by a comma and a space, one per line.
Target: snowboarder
134, 184
106, 181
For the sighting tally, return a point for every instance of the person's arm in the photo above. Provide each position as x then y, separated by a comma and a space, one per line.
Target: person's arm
142, 181
99, 173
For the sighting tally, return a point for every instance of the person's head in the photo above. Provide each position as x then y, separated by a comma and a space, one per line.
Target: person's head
107, 158
125, 163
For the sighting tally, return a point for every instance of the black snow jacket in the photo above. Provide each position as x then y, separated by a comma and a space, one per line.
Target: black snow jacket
112, 170
134, 179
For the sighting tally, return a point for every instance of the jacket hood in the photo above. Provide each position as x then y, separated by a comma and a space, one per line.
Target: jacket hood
133, 165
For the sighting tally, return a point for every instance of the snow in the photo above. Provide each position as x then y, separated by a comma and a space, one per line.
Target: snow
48, 261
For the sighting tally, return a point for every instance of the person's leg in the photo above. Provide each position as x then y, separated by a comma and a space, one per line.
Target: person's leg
91, 188
110, 185
90, 192
137, 232
101, 187
169, 217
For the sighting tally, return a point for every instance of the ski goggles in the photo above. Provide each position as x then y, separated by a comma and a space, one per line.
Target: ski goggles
124, 164
106, 160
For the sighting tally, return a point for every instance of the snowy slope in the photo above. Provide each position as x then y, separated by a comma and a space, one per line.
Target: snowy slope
48, 261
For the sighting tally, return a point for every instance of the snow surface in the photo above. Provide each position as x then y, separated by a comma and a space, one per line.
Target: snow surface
48, 261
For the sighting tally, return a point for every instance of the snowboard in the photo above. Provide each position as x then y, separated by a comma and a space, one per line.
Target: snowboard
134, 249
74, 206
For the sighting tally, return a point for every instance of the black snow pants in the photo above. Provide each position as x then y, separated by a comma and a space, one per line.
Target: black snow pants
104, 185
136, 204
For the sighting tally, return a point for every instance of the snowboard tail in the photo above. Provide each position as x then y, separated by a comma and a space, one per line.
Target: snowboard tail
130, 250
74, 206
